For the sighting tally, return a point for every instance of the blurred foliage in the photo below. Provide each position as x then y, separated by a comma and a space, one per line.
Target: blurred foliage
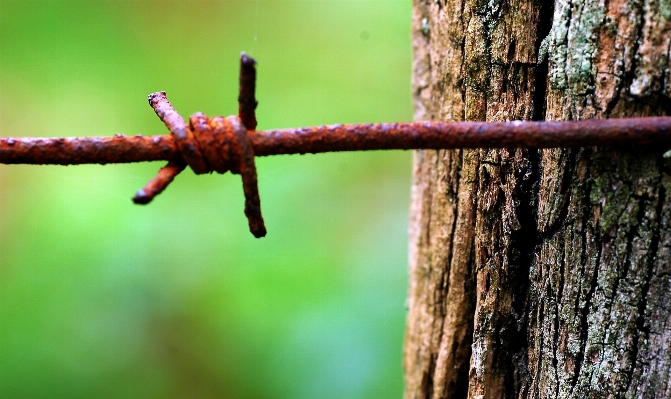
103, 298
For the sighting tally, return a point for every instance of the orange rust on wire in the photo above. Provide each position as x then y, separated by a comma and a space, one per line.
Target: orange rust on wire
180, 132
246, 167
360, 137
446, 135
185, 142
213, 140
222, 144
88, 150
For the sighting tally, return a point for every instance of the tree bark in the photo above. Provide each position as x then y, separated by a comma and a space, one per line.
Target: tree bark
540, 273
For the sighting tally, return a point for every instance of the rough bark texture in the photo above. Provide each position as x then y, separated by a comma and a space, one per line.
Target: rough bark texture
540, 273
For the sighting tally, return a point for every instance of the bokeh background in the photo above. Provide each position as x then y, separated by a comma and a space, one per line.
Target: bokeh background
102, 298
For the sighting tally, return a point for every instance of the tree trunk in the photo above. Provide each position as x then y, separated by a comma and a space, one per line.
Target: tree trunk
540, 273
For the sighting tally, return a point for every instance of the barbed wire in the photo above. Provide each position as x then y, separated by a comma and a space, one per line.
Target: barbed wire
221, 144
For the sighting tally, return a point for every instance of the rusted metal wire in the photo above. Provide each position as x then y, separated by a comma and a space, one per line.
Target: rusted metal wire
246, 99
159, 183
221, 144
335, 138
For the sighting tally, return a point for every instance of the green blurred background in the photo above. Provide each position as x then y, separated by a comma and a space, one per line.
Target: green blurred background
103, 298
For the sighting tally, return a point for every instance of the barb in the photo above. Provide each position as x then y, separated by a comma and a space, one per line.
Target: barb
247, 99
230, 144
159, 183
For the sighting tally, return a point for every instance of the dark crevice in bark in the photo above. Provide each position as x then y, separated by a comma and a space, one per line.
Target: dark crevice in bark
453, 191
427, 235
512, 48
564, 41
633, 233
506, 70
540, 92
541, 82
557, 293
523, 245
463, 380
427, 378
587, 226
652, 105
488, 81
441, 290
629, 75
584, 324
665, 83
460, 391
536, 382
642, 330
555, 342
506, 67
462, 85
568, 168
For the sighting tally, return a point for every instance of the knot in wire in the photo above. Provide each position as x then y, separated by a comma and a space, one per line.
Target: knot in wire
207, 145
223, 144
215, 144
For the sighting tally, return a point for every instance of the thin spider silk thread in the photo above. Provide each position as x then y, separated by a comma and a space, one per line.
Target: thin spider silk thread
256, 23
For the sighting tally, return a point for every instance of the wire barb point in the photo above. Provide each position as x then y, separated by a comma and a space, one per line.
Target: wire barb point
246, 99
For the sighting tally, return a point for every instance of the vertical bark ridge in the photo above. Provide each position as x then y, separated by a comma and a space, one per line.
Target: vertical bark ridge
440, 341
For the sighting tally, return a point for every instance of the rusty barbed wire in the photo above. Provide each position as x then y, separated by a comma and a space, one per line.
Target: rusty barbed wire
221, 144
